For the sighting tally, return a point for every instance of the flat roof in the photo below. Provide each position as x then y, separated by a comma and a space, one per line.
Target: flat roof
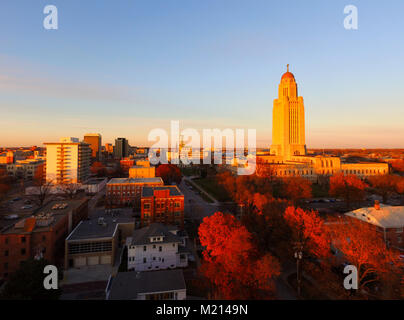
91, 229
149, 191
135, 180
127, 285
51, 209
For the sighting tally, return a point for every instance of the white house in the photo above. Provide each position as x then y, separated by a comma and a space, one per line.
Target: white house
156, 247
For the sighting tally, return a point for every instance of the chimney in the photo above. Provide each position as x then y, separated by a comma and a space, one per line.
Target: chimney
377, 205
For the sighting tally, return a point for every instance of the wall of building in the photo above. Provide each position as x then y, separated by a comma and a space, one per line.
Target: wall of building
155, 259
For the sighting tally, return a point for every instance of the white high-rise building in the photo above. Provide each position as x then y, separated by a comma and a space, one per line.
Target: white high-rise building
67, 161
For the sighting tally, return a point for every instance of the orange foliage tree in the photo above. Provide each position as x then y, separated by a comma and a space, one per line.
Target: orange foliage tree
384, 185
398, 165
242, 189
232, 262
362, 246
296, 189
98, 168
400, 185
308, 231
349, 187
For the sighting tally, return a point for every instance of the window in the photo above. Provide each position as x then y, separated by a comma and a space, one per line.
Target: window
146, 206
6, 253
5, 266
144, 248
6, 240
399, 230
23, 239
144, 260
43, 238
154, 246
23, 251
160, 248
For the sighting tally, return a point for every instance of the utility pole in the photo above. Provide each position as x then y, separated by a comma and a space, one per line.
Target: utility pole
298, 257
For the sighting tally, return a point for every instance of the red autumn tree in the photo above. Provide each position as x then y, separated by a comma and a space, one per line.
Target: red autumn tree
308, 238
308, 231
99, 169
296, 189
384, 185
398, 165
399, 188
362, 246
232, 262
349, 187
243, 188
170, 173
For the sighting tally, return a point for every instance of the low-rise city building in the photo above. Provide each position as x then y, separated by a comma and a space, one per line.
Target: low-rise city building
96, 241
42, 235
387, 220
156, 247
26, 169
164, 204
142, 169
127, 191
156, 285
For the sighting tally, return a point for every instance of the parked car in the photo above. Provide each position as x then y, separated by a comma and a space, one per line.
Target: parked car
11, 217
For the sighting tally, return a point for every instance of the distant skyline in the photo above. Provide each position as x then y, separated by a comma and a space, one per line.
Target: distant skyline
126, 67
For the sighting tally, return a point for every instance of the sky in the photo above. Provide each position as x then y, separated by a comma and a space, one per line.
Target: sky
123, 68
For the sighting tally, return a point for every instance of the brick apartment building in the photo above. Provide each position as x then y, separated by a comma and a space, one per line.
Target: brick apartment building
127, 191
387, 220
40, 235
126, 164
163, 204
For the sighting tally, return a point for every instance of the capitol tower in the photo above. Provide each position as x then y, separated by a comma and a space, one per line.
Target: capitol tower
288, 131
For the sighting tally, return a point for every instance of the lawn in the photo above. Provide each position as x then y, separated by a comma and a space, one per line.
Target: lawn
318, 191
210, 185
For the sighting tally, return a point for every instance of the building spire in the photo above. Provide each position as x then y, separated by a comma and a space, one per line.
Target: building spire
287, 66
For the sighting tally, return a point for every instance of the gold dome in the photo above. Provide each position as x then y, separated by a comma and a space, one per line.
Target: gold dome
288, 75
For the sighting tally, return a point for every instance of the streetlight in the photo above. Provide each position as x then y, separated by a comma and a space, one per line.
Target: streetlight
298, 257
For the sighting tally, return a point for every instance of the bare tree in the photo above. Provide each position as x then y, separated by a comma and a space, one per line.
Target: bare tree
70, 189
41, 192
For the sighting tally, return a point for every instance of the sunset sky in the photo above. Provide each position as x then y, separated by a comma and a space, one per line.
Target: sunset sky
122, 68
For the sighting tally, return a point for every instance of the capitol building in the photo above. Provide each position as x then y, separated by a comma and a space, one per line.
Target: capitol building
288, 154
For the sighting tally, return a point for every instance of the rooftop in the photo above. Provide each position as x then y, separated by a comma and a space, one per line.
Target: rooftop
96, 228
142, 236
127, 285
135, 180
45, 218
149, 191
385, 217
